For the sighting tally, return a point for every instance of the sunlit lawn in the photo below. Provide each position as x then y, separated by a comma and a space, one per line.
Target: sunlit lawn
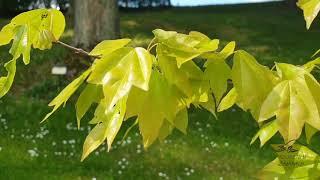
213, 149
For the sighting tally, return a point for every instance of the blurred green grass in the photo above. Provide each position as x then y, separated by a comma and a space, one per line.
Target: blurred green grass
213, 149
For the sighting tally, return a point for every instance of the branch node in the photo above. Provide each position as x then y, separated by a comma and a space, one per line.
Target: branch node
78, 50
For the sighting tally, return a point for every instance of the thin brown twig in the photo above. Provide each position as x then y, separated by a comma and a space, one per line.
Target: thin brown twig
78, 50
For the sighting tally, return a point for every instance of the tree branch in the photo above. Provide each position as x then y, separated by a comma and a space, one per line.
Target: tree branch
78, 50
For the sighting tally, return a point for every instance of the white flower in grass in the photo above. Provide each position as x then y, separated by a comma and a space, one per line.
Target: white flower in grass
72, 141
3, 120
33, 153
39, 135
69, 126
103, 148
45, 132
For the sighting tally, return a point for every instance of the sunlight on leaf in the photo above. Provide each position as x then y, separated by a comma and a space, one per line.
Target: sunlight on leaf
310, 132
266, 132
293, 162
294, 102
91, 94
309, 66
218, 73
38, 27
108, 46
227, 51
155, 106
106, 130
181, 120
184, 47
35, 28
228, 101
252, 81
66, 93
310, 9
6, 82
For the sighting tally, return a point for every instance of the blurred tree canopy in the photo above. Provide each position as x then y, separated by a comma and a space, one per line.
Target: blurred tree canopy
144, 3
12, 7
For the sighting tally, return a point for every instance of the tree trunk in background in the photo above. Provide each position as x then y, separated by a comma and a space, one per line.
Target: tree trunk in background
71, 8
95, 20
